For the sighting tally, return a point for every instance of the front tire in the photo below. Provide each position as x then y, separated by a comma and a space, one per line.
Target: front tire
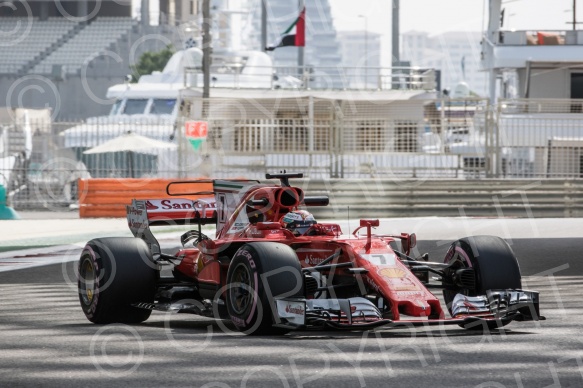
495, 267
115, 273
258, 273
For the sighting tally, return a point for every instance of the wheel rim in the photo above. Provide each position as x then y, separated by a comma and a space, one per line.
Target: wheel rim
87, 281
240, 291
450, 294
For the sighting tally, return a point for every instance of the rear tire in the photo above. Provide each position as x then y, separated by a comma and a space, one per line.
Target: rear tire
249, 293
494, 264
115, 273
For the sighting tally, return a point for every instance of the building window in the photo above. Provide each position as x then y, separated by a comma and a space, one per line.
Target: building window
405, 136
215, 136
370, 136
247, 136
290, 135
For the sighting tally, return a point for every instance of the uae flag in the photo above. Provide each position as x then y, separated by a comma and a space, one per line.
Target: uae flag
295, 35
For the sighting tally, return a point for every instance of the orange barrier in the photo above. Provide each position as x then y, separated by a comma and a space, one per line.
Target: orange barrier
106, 197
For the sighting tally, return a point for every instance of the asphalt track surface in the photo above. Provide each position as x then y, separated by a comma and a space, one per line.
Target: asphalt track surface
45, 340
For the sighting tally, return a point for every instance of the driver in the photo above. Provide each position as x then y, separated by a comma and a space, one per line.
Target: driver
298, 221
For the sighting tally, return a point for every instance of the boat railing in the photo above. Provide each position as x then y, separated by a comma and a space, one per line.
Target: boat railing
321, 78
540, 105
537, 37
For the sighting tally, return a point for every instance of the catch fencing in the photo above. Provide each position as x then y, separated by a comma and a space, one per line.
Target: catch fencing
355, 138
324, 137
538, 139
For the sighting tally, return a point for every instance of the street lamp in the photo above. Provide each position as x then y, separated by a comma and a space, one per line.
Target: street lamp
365, 49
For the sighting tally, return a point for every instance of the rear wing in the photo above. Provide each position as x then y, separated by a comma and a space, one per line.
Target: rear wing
200, 209
143, 213
174, 211
187, 202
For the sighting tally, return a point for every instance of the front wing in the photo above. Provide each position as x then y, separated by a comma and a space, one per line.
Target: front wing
500, 306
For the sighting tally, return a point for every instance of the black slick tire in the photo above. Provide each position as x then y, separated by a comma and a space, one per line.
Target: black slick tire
115, 273
495, 267
259, 272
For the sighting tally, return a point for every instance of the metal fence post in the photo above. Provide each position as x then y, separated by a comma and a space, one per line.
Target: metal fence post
311, 124
442, 126
488, 137
339, 154
496, 121
180, 141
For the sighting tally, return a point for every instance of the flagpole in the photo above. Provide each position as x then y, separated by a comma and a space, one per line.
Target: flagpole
263, 25
301, 48
206, 48
396, 61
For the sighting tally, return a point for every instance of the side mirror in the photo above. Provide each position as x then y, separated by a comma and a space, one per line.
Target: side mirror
408, 242
412, 240
373, 223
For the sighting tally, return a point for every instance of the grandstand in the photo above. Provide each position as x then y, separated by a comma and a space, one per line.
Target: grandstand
57, 40
91, 41
20, 48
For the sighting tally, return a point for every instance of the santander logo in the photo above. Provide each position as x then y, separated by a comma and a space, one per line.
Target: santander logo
298, 310
150, 206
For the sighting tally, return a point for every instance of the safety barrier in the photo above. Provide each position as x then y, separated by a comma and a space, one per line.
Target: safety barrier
357, 198
109, 197
452, 198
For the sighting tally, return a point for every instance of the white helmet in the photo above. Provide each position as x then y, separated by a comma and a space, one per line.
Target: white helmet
298, 221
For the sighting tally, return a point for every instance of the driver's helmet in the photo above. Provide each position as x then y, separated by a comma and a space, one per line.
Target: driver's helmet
298, 221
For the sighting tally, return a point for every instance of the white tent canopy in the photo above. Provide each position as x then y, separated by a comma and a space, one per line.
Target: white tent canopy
131, 142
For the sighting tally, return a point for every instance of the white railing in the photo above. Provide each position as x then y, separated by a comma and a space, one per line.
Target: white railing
308, 77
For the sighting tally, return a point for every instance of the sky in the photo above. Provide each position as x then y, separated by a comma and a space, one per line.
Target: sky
436, 17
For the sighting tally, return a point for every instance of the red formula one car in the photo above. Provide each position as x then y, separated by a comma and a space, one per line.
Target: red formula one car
266, 278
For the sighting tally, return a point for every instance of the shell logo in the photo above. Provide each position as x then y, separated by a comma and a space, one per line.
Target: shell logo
392, 273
